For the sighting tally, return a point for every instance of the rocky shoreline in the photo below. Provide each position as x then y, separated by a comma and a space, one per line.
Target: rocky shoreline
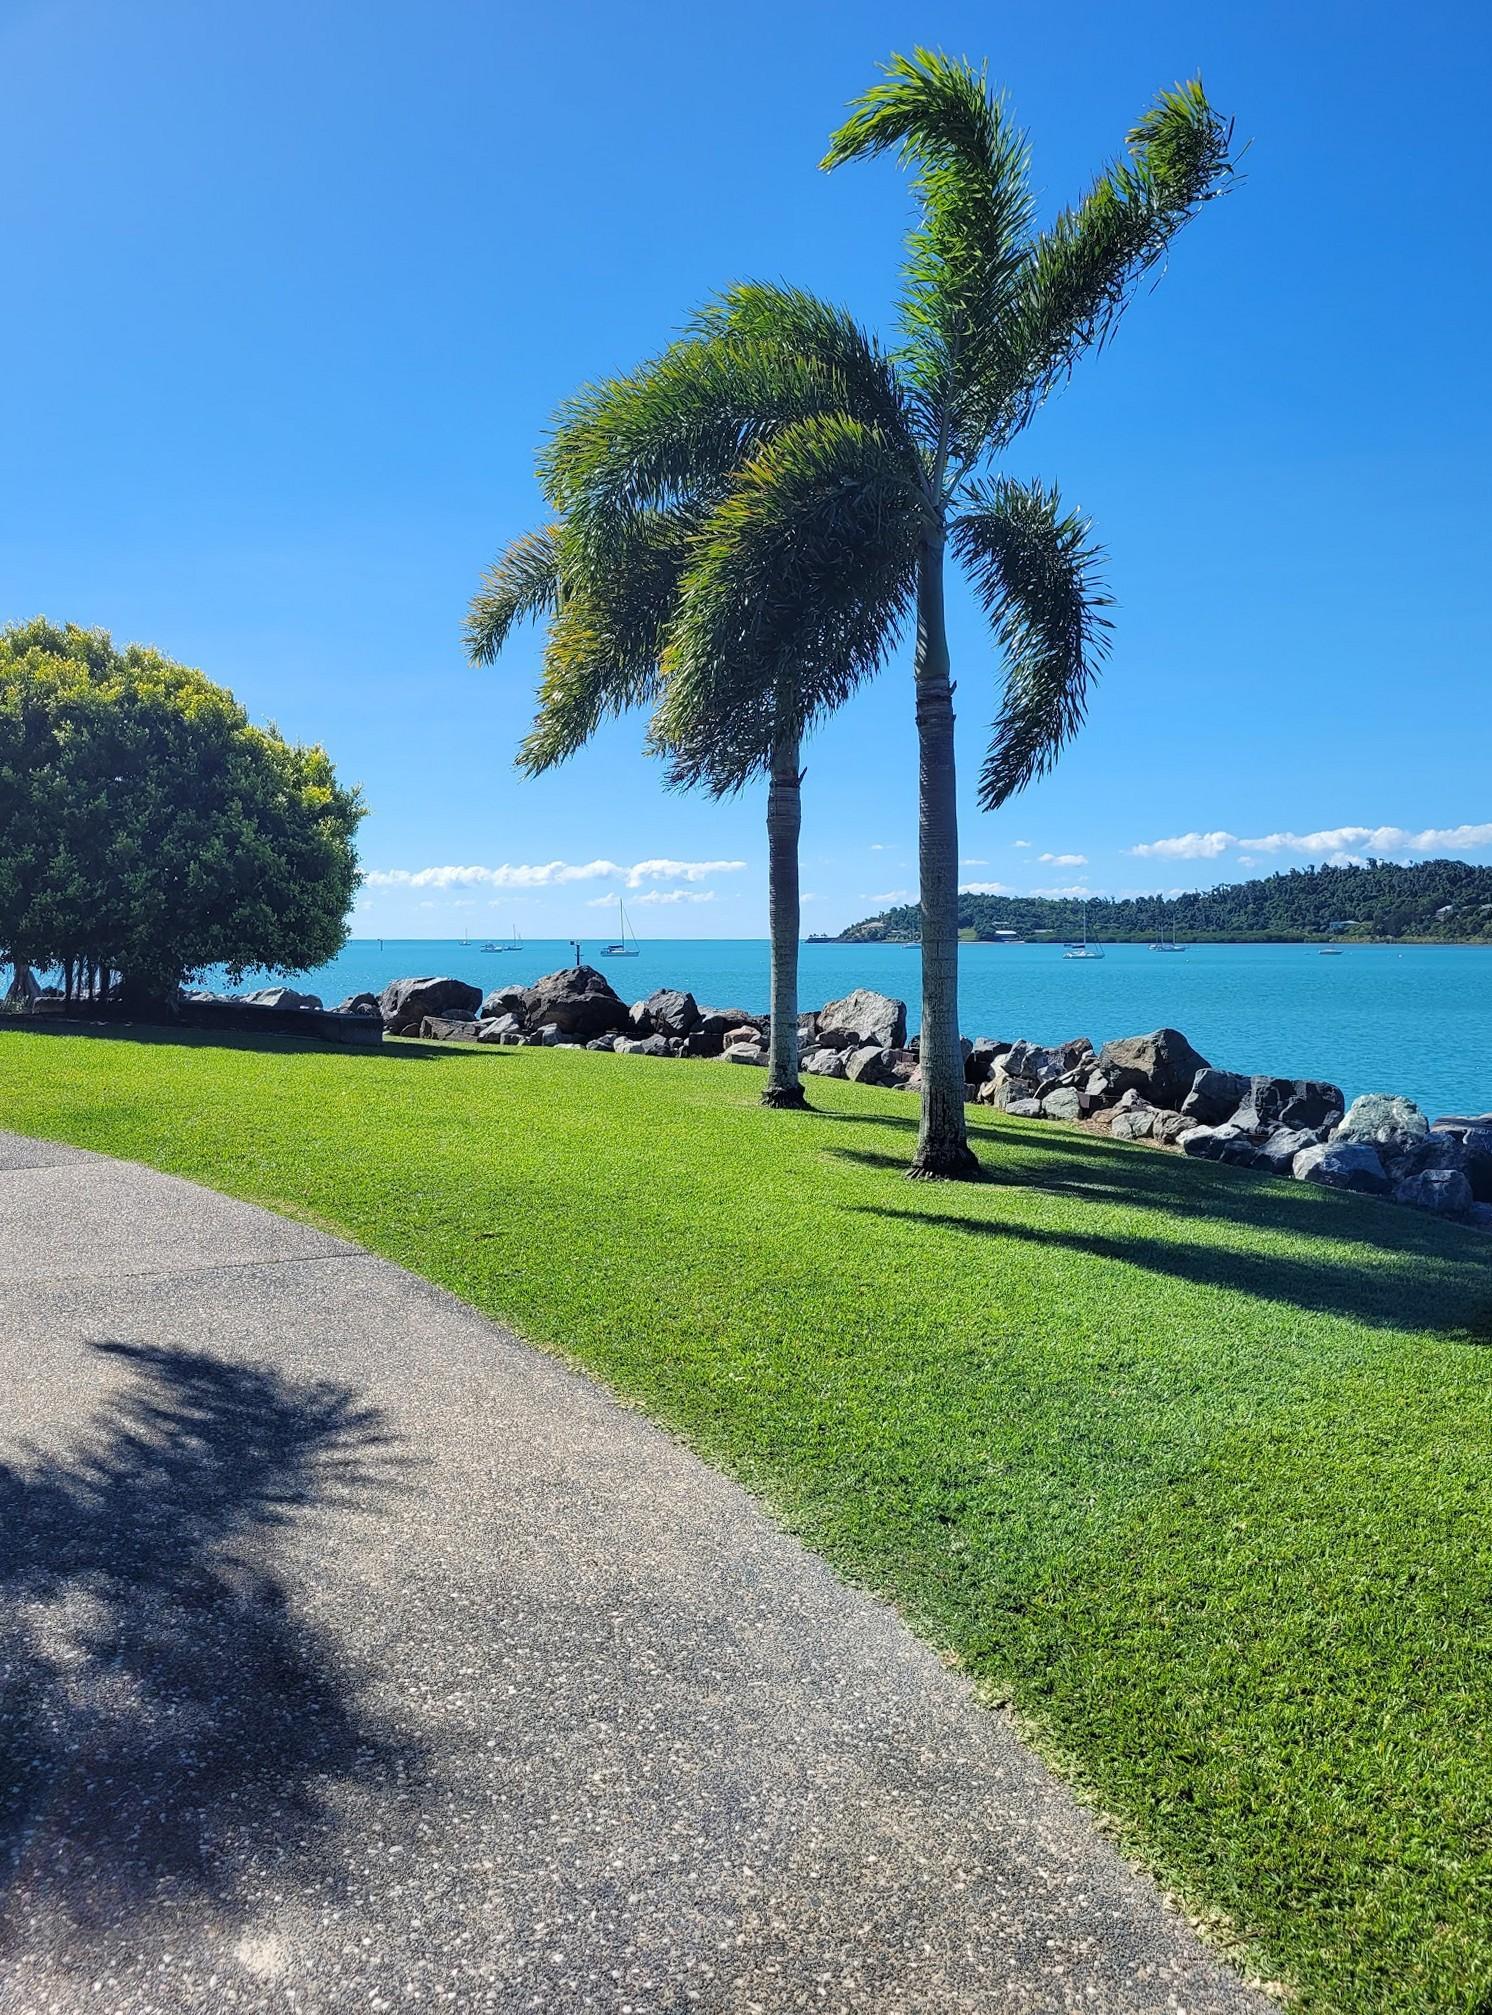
1154, 1088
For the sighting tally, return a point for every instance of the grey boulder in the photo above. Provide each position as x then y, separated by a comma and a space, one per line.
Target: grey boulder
651, 1045
824, 1063
1063, 1103
1382, 1119
1343, 1164
1163, 1065
282, 997
672, 1012
513, 1000
1277, 1151
1289, 1102
743, 1052
358, 1004
1136, 1123
1215, 1096
449, 1028
1228, 1144
405, 1003
1443, 1190
578, 1001
873, 1018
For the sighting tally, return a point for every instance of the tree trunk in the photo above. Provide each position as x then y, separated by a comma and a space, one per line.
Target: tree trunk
784, 822
943, 1151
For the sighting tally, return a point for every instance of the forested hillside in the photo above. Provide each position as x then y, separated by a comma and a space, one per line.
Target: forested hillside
1448, 900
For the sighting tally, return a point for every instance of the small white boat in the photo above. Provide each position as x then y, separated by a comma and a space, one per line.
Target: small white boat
1083, 950
622, 949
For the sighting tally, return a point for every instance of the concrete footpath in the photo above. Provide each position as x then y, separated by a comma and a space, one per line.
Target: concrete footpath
354, 1656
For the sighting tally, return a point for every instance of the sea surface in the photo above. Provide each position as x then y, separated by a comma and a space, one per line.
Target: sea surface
1416, 1019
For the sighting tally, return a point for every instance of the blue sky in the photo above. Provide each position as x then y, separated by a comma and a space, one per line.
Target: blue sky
293, 289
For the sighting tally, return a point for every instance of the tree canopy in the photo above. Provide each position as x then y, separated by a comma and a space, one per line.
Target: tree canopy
148, 829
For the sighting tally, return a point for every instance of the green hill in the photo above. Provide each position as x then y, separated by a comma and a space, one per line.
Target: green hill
1450, 901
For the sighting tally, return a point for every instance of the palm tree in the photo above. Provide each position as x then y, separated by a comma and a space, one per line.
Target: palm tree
609, 581
833, 530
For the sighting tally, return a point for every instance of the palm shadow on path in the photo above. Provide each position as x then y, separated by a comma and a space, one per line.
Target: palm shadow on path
172, 1731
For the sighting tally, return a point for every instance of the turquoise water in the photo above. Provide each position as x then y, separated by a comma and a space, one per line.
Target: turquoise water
1416, 1020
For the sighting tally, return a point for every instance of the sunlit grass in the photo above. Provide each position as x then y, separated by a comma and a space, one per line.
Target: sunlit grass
1194, 1468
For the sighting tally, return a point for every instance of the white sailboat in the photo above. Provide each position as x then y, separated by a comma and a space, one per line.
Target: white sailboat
1083, 950
621, 949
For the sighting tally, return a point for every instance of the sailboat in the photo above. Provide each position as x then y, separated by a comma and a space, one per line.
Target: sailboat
516, 945
621, 949
1083, 950
1162, 946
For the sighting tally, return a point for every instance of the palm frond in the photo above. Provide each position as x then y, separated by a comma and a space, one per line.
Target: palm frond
1082, 273
523, 582
968, 251
680, 426
1037, 574
796, 586
602, 650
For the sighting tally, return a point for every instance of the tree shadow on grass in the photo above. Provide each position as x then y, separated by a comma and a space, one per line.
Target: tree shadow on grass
168, 1721
1091, 1169
1437, 1291
162, 1035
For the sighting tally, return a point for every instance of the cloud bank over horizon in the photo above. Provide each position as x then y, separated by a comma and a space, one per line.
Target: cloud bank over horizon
1345, 845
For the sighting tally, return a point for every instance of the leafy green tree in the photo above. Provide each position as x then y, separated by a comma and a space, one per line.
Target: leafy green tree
148, 829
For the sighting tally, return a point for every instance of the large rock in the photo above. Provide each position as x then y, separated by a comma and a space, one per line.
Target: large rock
651, 1045
499, 1028
982, 1057
824, 1063
1063, 1103
446, 1028
578, 1001
1277, 1151
871, 1017
283, 997
1163, 1065
405, 1003
1215, 1096
358, 1004
1383, 1120
743, 1052
1228, 1144
1138, 1123
514, 1000
1289, 1102
715, 1021
1443, 1190
1343, 1164
1474, 1137
671, 1012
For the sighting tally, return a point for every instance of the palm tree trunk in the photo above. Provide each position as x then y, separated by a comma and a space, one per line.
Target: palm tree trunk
943, 1151
784, 822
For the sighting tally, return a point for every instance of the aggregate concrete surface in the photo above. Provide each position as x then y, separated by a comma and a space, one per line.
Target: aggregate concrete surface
355, 1656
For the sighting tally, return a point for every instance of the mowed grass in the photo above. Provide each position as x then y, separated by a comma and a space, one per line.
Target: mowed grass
1193, 1468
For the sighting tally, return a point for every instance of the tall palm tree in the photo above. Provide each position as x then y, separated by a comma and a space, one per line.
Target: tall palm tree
835, 526
608, 579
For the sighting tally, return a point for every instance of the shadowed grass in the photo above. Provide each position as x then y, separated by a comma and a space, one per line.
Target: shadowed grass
1194, 1467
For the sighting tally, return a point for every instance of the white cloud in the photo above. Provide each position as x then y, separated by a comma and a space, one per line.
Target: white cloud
973, 861
1375, 840
1065, 860
1339, 845
891, 896
985, 889
677, 896
1020, 843
1247, 861
1187, 847
1075, 889
879, 846
548, 874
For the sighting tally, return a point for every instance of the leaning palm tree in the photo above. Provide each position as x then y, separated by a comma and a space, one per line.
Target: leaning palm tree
834, 529
608, 631
608, 580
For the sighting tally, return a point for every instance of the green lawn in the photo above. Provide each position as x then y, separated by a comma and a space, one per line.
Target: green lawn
1193, 1467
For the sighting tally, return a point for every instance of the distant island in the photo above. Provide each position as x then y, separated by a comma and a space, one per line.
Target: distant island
1447, 902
